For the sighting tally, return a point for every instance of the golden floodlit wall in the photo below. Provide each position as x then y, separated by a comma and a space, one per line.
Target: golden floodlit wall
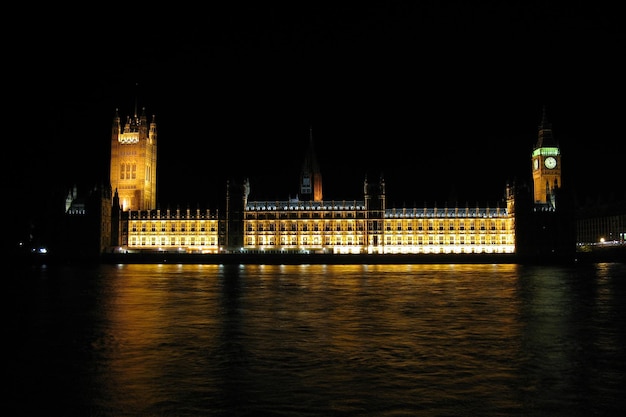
174, 231
332, 227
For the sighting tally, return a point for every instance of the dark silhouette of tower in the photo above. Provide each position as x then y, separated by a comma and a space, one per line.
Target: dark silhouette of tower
375, 198
231, 228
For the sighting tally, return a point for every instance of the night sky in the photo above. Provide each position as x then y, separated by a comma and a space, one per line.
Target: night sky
443, 98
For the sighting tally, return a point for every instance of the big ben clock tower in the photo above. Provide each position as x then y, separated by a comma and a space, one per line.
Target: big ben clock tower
546, 165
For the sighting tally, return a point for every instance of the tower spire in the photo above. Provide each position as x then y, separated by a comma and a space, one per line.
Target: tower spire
545, 137
544, 118
136, 98
310, 175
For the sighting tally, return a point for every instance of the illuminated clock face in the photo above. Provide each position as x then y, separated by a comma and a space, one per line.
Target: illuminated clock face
536, 164
550, 162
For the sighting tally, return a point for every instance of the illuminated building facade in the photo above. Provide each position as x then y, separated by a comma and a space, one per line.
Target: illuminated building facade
305, 224
134, 161
536, 220
193, 231
368, 227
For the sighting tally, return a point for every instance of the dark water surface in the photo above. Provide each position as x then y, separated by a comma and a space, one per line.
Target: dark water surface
316, 340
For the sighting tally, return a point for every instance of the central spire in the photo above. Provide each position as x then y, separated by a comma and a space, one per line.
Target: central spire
310, 176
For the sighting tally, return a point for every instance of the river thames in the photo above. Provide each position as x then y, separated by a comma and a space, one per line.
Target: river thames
316, 340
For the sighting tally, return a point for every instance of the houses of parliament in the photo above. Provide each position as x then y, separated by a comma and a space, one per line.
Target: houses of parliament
534, 220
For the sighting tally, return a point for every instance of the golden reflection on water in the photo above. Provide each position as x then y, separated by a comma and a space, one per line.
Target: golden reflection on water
318, 340
335, 324
157, 314
358, 339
